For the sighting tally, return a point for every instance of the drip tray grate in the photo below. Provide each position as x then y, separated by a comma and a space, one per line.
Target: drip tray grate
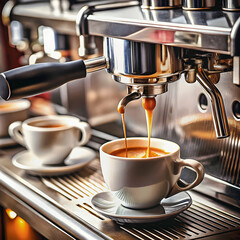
198, 221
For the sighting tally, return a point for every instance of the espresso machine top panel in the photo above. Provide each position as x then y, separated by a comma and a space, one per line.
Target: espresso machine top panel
208, 30
215, 31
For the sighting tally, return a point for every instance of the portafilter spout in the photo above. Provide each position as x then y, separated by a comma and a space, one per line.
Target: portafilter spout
218, 109
127, 99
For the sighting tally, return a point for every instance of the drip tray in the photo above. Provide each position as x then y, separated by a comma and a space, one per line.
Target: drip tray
72, 194
198, 221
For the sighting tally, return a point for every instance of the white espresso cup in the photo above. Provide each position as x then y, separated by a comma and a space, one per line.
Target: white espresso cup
50, 138
143, 182
12, 111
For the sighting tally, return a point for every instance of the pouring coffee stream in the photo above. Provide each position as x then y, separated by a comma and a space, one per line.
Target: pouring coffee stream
148, 104
121, 109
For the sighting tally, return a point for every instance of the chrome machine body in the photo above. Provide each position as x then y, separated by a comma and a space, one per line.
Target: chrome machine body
193, 57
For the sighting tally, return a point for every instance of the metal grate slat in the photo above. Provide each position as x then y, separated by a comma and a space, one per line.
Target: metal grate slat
208, 219
71, 188
180, 231
202, 222
134, 233
79, 187
188, 227
220, 215
171, 235
195, 224
66, 189
146, 234
158, 235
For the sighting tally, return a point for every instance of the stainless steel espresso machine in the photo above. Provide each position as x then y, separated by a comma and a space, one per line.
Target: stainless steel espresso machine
186, 53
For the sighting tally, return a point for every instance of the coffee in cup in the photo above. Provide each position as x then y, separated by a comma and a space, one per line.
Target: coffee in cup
138, 152
12, 111
140, 182
50, 138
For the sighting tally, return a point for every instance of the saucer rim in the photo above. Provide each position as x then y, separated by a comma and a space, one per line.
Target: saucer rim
42, 169
145, 217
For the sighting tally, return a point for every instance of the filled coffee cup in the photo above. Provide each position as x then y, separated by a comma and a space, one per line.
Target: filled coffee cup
50, 138
140, 182
12, 111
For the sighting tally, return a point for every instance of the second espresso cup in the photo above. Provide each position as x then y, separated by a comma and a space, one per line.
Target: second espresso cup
143, 182
11, 111
50, 138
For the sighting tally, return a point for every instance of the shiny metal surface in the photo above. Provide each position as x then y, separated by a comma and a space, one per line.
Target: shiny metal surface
127, 99
218, 109
198, 5
149, 90
146, 4
139, 60
236, 72
231, 5
205, 30
82, 26
165, 4
95, 64
88, 47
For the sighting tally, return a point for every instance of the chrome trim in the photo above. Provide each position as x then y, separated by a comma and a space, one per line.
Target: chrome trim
167, 4
230, 5
139, 60
6, 12
95, 64
149, 90
134, 23
134, 95
81, 24
219, 189
218, 109
236, 70
198, 5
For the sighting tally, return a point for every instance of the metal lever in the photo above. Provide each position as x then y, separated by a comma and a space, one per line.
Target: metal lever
218, 109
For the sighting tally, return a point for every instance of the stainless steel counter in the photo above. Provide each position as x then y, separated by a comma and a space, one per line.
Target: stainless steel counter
59, 208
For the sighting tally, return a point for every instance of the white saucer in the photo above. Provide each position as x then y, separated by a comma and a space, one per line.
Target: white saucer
106, 204
6, 142
79, 157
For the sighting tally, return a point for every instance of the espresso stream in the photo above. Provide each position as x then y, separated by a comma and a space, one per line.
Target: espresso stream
149, 105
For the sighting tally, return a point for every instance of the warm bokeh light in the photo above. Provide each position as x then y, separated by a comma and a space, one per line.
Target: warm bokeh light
11, 214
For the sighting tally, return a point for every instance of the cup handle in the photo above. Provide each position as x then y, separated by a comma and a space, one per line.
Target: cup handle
15, 131
86, 132
197, 167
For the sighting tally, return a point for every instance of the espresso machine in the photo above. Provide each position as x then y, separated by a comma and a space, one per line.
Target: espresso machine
185, 53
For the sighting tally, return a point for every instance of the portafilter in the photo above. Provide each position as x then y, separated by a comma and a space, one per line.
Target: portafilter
131, 63
146, 69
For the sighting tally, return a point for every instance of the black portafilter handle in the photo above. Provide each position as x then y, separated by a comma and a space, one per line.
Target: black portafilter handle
38, 78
